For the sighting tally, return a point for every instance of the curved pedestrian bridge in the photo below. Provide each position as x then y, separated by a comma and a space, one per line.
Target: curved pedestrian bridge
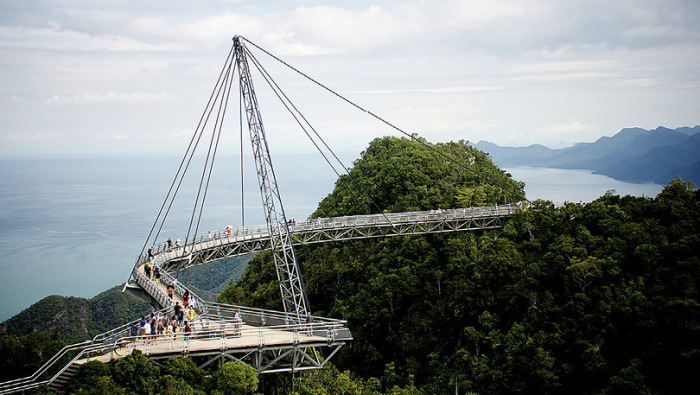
269, 341
230, 242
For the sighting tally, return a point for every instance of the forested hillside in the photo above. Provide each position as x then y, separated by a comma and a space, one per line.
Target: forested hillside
587, 298
33, 336
594, 298
77, 319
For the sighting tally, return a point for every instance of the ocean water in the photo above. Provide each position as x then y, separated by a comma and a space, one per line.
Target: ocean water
560, 185
73, 227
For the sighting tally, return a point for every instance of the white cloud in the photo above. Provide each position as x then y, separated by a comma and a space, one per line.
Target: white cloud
87, 98
447, 89
70, 40
504, 69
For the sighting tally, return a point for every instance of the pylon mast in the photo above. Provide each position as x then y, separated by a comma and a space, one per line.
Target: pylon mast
288, 274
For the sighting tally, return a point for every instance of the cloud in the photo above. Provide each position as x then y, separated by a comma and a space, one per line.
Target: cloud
447, 89
88, 98
507, 69
71, 40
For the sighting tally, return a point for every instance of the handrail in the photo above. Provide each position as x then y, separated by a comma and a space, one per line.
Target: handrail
218, 235
227, 324
102, 336
196, 302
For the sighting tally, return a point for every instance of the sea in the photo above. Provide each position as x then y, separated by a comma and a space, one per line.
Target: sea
74, 227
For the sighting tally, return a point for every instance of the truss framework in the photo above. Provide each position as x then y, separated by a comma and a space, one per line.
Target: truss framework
322, 230
286, 266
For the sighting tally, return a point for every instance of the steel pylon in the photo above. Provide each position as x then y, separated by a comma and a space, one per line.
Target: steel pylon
288, 274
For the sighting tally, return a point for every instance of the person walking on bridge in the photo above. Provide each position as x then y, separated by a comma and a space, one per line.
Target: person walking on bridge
147, 270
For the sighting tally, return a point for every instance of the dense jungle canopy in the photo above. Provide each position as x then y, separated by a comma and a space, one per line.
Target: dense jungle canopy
586, 298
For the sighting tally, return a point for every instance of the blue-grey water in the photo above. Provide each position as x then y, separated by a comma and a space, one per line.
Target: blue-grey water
73, 227
560, 185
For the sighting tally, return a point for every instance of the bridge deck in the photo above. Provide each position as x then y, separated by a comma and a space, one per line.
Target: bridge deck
204, 340
250, 239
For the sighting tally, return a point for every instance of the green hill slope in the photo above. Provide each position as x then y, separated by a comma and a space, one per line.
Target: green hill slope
77, 319
595, 298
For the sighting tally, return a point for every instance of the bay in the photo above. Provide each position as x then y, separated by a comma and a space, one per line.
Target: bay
562, 185
73, 227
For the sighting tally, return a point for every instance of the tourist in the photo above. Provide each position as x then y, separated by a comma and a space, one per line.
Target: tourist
147, 269
190, 314
180, 316
156, 272
142, 326
186, 298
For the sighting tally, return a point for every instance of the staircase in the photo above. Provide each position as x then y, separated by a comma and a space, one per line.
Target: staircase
64, 377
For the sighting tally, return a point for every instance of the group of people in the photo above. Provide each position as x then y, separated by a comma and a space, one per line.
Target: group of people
157, 324
170, 243
152, 271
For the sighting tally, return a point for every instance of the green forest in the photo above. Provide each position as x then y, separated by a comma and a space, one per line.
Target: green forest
588, 298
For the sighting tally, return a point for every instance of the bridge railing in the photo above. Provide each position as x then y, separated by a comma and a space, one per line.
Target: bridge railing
410, 217
225, 234
196, 302
148, 285
124, 330
151, 288
263, 317
63, 359
210, 236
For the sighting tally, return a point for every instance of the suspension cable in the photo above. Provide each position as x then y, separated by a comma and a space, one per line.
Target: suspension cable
285, 99
240, 118
411, 136
182, 169
211, 153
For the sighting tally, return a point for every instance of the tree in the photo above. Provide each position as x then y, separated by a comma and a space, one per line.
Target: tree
235, 378
135, 373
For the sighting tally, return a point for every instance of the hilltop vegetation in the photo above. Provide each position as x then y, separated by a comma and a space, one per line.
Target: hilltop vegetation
77, 319
587, 298
594, 298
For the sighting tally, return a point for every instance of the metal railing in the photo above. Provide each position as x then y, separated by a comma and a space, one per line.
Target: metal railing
222, 236
218, 323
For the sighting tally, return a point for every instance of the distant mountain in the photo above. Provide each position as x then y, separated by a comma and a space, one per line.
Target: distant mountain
77, 318
80, 319
633, 155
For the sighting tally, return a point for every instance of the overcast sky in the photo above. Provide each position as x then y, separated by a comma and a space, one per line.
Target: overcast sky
123, 77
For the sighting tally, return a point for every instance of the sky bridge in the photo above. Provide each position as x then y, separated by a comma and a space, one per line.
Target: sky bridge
291, 340
270, 341
225, 243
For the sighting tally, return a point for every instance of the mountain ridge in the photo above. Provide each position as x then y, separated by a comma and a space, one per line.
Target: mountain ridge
632, 155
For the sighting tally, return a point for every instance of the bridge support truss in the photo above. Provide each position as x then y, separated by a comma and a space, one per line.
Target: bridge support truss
288, 275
